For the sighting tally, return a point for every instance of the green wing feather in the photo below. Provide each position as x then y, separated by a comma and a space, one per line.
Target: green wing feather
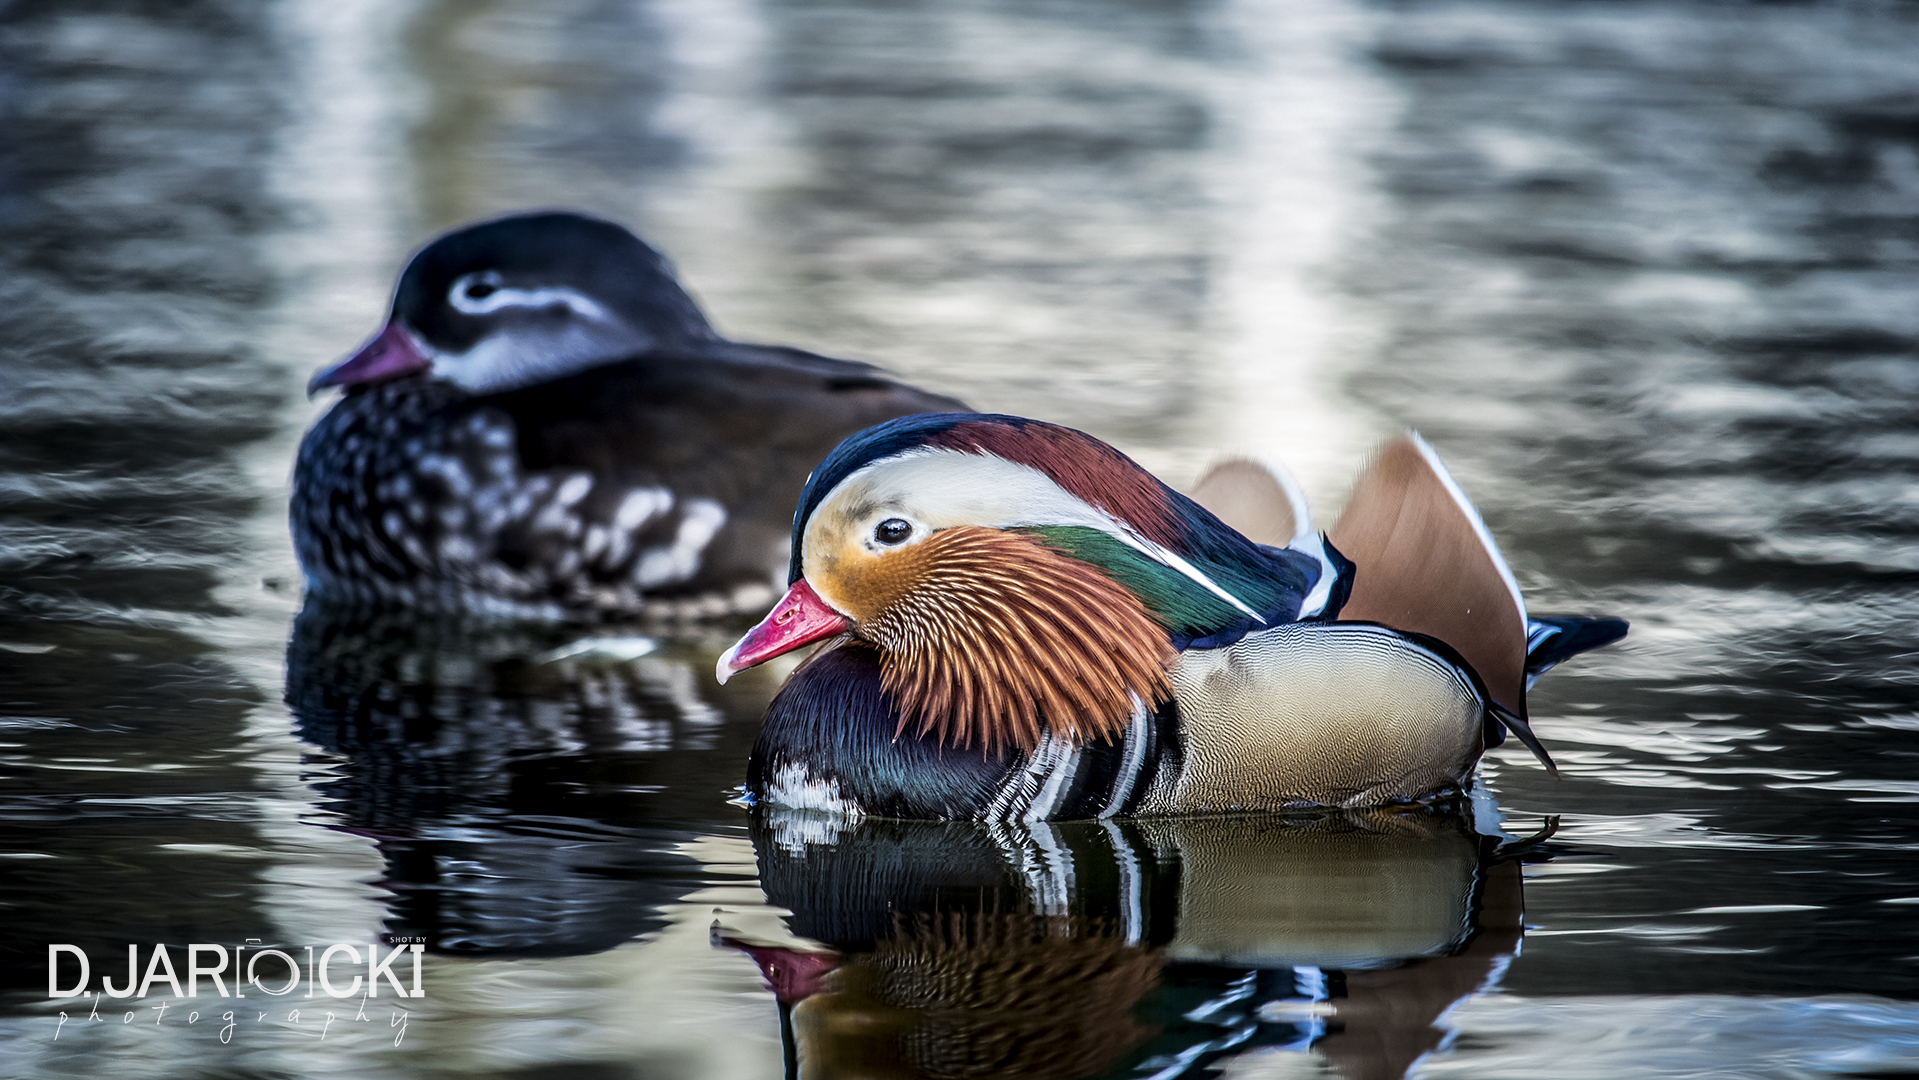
1178, 602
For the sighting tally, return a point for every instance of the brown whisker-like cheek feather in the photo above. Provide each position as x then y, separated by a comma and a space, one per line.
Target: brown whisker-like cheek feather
996, 636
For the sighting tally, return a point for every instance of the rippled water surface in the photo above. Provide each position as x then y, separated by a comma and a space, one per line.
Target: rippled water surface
1643, 272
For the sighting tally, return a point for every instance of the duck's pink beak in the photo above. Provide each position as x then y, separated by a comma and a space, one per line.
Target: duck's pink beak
391, 354
800, 618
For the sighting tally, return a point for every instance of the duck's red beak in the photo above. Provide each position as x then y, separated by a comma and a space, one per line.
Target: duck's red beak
800, 618
391, 354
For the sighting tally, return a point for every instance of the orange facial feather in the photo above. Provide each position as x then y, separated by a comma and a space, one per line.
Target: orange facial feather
994, 636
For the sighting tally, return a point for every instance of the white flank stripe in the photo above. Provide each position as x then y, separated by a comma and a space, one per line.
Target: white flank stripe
1135, 750
1166, 557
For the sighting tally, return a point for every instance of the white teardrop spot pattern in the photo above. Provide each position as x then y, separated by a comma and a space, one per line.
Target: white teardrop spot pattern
443, 516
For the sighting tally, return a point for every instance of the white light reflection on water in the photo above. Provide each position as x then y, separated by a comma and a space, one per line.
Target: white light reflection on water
1663, 830
1658, 1037
1299, 112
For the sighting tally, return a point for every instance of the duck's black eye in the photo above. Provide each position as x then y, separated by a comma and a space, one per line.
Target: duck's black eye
470, 292
892, 531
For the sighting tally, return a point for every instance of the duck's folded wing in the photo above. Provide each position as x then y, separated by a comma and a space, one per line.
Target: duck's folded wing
709, 411
670, 472
834, 371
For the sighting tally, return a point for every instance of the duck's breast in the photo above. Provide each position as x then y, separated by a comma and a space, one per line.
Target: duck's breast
1327, 714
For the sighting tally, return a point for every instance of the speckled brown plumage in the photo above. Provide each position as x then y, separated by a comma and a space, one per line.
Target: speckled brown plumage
653, 483
548, 426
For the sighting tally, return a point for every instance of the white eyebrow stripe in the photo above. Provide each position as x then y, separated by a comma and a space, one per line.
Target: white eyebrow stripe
985, 489
504, 297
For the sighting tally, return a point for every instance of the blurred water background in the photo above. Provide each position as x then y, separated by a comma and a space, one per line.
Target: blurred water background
1644, 272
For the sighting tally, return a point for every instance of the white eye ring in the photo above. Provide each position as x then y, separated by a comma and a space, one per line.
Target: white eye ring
477, 293
484, 292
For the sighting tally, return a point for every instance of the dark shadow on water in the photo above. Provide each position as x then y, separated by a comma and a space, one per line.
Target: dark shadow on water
1128, 947
518, 796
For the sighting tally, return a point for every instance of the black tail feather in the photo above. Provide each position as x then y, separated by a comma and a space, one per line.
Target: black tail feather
1556, 638
1524, 730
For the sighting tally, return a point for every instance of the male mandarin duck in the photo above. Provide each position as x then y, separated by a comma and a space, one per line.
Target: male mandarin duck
549, 426
1027, 625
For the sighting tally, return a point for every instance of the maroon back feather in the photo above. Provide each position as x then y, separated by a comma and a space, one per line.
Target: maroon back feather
1087, 468
1249, 499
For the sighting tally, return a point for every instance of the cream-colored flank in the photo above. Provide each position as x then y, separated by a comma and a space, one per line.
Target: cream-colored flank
1329, 714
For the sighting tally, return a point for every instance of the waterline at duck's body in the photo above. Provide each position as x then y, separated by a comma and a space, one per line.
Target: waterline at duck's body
1357, 715
1027, 626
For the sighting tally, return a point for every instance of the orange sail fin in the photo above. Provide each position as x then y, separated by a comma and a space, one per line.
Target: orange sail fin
1255, 501
1427, 565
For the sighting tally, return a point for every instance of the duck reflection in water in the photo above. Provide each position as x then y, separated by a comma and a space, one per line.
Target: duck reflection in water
514, 782
520, 799
1142, 947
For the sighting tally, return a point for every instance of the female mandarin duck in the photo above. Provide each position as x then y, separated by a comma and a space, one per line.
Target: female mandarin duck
1030, 626
549, 426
